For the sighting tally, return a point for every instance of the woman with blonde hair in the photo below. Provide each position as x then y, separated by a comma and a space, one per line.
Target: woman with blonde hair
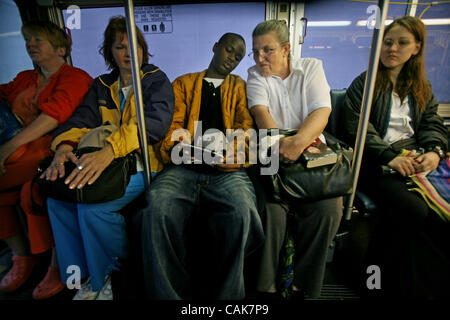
290, 93
42, 99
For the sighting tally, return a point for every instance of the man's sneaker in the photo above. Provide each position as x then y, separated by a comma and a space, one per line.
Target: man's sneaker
86, 292
106, 292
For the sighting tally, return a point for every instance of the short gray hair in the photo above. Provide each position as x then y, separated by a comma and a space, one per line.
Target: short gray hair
279, 27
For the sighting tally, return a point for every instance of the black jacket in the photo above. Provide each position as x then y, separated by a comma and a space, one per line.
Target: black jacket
428, 126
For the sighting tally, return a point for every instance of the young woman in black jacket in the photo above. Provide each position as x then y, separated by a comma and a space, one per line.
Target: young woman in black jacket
408, 243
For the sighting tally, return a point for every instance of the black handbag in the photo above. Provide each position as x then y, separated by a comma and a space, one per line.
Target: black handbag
294, 182
110, 185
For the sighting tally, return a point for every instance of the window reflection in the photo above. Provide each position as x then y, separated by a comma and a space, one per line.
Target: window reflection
344, 47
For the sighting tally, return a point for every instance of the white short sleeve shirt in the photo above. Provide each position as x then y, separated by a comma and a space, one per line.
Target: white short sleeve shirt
290, 100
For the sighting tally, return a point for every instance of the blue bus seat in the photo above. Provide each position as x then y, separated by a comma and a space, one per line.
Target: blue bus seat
334, 121
362, 202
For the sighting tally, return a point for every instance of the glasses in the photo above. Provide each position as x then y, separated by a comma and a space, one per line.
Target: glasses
266, 52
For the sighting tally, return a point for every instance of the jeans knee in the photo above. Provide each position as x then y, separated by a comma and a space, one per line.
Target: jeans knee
160, 213
245, 210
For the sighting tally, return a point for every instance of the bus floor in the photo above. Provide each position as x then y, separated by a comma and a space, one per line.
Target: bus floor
341, 277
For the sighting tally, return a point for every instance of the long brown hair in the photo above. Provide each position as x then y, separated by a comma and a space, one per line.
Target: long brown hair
412, 78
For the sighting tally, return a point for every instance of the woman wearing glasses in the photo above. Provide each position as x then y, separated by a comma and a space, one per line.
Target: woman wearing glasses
291, 93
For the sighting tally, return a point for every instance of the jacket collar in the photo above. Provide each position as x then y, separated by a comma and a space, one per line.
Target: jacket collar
110, 78
63, 67
203, 75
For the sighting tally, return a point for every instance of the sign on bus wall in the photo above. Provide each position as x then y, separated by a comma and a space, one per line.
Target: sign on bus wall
154, 19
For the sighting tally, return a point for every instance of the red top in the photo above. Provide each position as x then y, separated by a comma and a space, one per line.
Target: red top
64, 92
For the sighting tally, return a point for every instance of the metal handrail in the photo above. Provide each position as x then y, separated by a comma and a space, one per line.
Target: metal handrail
366, 105
135, 68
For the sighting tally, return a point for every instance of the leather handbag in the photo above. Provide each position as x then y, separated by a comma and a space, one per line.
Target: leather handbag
294, 182
110, 185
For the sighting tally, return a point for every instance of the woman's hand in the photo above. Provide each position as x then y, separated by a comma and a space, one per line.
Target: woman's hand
6, 150
427, 162
406, 166
290, 149
56, 168
40, 126
89, 167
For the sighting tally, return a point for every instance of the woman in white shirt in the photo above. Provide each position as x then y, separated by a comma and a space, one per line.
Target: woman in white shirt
290, 93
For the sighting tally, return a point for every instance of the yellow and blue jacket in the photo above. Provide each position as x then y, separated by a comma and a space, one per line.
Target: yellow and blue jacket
101, 106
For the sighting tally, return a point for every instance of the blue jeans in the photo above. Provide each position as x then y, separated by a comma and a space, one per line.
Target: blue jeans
179, 201
92, 236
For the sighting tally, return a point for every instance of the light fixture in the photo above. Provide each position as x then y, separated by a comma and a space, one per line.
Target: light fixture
363, 23
428, 22
329, 23
10, 34
435, 22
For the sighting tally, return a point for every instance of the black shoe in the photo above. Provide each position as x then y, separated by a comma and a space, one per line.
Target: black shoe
298, 296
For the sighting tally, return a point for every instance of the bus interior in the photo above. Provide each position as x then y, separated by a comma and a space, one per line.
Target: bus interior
180, 35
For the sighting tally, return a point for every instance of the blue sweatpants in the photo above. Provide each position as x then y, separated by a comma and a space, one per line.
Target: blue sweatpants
92, 236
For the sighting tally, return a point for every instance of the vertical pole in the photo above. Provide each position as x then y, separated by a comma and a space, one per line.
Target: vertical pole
366, 105
135, 68
411, 8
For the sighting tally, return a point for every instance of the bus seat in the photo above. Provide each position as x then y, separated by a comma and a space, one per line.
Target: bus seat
337, 100
362, 202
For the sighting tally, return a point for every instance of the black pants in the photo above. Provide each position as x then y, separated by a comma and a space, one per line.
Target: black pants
313, 228
410, 242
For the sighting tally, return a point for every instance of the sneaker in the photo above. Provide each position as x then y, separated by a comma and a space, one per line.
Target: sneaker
106, 293
86, 292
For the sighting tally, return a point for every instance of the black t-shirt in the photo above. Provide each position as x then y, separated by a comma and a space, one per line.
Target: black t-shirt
211, 118
211, 108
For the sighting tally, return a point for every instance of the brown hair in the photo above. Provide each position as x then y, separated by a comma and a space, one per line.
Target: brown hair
54, 34
116, 25
412, 78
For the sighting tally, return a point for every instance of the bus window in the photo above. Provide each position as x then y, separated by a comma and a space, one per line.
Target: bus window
337, 34
13, 54
183, 46
437, 53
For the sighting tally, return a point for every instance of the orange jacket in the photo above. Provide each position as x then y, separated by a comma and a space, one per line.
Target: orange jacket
61, 95
188, 93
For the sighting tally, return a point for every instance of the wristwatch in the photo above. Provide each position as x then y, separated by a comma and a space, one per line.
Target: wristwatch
438, 150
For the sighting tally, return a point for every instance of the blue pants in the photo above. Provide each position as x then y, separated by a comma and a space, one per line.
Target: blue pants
224, 206
92, 236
